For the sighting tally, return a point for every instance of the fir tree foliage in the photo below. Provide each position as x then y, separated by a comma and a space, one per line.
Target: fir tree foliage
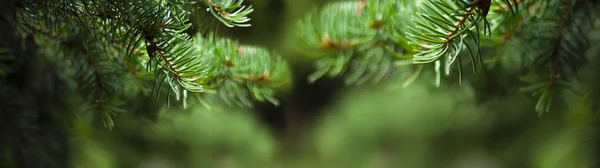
113, 51
364, 41
230, 12
549, 40
108, 39
354, 39
448, 34
565, 29
442, 29
244, 74
550, 34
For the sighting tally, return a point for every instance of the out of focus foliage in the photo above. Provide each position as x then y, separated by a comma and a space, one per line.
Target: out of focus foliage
196, 137
419, 127
411, 127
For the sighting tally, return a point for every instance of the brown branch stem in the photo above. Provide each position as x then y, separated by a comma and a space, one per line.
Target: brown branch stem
458, 25
557, 43
98, 81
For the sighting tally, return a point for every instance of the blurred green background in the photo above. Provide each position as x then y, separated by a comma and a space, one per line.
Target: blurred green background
484, 123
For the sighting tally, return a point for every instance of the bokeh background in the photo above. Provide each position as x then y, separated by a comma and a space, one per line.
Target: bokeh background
483, 123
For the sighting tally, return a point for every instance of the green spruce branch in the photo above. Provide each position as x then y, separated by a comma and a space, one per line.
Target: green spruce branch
361, 41
356, 40
441, 33
153, 31
560, 63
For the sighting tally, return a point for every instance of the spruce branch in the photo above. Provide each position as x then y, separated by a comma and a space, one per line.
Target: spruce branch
230, 12
244, 74
353, 39
504, 17
99, 81
106, 113
154, 27
239, 74
562, 61
442, 28
507, 26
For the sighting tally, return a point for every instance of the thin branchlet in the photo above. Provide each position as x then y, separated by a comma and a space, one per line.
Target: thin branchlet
98, 80
460, 23
554, 56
